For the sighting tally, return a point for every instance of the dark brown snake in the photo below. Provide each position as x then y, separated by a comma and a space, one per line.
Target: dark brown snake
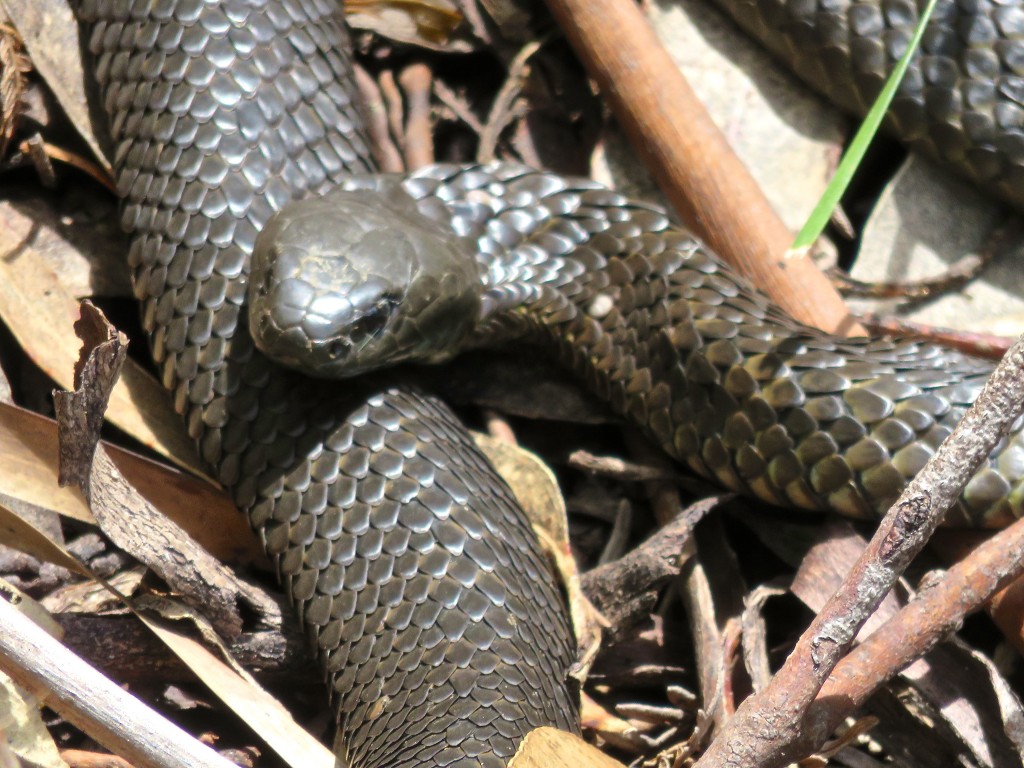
419, 583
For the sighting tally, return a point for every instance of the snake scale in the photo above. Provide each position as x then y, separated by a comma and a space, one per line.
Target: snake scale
424, 595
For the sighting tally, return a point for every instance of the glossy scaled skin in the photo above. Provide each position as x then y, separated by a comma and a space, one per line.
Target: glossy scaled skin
420, 585
665, 333
961, 100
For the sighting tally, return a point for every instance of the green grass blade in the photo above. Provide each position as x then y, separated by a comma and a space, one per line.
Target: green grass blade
851, 159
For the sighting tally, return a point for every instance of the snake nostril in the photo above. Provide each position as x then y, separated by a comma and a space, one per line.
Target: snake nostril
266, 283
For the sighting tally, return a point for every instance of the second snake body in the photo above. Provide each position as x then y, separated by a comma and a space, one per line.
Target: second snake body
421, 588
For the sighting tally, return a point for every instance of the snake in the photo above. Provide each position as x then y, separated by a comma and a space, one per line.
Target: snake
273, 264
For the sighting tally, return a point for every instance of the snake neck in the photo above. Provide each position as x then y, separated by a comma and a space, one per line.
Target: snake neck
678, 344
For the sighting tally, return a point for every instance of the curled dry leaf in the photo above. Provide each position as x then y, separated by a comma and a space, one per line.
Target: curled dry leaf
80, 412
425, 23
39, 311
123, 514
167, 550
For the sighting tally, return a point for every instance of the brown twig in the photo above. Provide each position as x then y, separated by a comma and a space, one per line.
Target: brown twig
694, 585
504, 111
619, 469
766, 730
458, 105
955, 276
930, 617
978, 344
691, 160
393, 107
35, 148
84, 697
418, 146
381, 142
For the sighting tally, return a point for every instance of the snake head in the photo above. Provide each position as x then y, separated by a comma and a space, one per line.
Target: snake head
356, 281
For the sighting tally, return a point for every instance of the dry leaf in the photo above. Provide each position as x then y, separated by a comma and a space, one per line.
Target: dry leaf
14, 65
40, 314
28, 453
536, 488
425, 23
22, 535
255, 706
551, 748
50, 33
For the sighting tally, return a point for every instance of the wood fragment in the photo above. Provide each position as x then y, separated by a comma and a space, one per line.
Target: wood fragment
690, 159
123, 649
768, 724
418, 147
551, 748
625, 590
110, 715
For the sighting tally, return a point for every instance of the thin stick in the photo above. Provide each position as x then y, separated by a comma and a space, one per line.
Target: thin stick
690, 159
84, 697
915, 630
418, 146
767, 725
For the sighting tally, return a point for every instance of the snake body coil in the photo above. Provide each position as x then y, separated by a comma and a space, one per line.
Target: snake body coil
961, 101
416, 576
